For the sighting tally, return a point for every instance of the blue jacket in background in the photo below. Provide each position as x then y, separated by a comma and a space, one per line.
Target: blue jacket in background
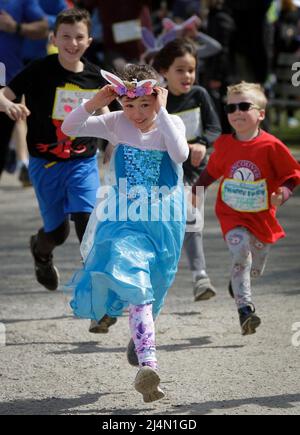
38, 49
11, 45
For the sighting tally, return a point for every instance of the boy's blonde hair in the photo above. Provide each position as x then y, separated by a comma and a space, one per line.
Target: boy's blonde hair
256, 90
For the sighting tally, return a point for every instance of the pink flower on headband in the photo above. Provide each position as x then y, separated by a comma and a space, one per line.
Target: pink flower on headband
148, 89
131, 94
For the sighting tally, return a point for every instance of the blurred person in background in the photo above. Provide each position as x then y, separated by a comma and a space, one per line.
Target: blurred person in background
287, 32
250, 42
33, 49
19, 19
122, 29
218, 68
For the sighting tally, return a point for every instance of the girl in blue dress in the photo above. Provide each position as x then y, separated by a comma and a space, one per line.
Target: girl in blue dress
133, 242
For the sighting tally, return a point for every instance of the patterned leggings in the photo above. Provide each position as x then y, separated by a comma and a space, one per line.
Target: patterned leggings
249, 261
143, 334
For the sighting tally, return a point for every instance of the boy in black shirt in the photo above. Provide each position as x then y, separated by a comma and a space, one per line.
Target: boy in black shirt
63, 170
177, 62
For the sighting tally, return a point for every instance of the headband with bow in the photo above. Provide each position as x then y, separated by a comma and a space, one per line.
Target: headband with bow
132, 89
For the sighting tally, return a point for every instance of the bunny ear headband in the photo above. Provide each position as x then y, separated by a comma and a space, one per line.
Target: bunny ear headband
133, 89
191, 23
153, 44
171, 32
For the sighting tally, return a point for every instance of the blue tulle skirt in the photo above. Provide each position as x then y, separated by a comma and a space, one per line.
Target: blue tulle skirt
133, 242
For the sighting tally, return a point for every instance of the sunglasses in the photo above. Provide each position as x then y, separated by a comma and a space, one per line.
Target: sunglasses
243, 107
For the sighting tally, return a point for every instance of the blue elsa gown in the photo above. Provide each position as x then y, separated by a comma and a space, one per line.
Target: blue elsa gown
130, 260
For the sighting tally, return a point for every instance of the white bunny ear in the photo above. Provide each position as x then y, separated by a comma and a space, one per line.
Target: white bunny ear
111, 78
147, 83
149, 39
192, 21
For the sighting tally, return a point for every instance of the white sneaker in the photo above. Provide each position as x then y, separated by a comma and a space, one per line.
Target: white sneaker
204, 290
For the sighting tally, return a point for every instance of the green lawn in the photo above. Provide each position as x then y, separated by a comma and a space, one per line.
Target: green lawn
290, 136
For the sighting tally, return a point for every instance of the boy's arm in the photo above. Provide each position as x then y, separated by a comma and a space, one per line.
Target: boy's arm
14, 111
205, 180
284, 193
210, 120
209, 46
211, 130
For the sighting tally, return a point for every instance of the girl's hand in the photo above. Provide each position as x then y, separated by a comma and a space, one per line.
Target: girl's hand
17, 112
161, 98
198, 153
277, 198
105, 96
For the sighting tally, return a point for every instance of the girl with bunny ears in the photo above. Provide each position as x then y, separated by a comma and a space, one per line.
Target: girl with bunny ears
177, 63
132, 261
206, 46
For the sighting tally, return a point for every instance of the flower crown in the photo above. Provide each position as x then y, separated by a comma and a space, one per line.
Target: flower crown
132, 89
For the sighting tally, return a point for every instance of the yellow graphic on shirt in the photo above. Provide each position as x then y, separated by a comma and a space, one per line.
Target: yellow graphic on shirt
69, 98
246, 196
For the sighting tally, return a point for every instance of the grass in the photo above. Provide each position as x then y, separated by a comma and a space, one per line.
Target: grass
290, 136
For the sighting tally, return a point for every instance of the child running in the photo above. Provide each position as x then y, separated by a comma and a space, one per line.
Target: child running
63, 170
177, 62
258, 175
130, 259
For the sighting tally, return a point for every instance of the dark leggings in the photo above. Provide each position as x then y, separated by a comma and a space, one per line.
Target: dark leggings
47, 242
6, 129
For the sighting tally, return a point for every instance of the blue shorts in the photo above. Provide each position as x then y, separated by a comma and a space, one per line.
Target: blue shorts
64, 188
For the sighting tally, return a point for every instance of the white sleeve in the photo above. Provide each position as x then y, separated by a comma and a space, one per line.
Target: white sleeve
81, 123
173, 131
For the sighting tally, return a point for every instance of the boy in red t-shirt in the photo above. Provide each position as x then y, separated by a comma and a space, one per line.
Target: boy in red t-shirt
258, 175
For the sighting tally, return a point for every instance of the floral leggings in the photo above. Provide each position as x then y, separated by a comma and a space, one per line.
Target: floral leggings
143, 334
249, 261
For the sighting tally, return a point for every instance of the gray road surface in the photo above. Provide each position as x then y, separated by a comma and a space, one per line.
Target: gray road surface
52, 365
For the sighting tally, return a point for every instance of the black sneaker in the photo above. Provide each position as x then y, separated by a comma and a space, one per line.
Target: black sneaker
230, 289
249, 320
24, 177
131, 354
46, 273
102, 327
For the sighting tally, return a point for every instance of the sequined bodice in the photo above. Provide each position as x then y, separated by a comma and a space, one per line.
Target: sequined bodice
142, 168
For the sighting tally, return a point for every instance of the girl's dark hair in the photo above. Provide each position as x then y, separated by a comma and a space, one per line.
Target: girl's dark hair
140, 72
177, 48
73, 16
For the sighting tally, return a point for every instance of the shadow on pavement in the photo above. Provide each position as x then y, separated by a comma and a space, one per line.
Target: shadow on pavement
271, 402
50, 406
